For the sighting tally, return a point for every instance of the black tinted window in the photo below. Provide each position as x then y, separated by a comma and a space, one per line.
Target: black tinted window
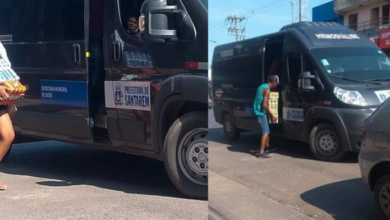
47, 20
245, 71
6, 17
219, 75
294, 68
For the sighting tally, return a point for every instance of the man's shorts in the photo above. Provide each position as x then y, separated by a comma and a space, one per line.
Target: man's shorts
263, 121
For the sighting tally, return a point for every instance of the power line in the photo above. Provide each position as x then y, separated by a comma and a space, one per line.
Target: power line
255, 12
260, 7
272, 7
268, 10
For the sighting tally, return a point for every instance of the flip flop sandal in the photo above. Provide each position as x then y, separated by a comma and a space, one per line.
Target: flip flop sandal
3, 187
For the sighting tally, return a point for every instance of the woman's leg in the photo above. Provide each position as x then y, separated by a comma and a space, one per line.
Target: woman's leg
7, 133
7, 136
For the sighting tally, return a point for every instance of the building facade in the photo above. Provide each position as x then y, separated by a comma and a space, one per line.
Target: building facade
325, 13
369, 17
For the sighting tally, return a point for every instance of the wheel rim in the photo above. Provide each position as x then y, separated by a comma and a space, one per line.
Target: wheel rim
327, 142
193, 156
384, 199
228, 126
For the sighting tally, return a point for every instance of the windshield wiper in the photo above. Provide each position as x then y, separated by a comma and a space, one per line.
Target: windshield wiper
346, 78
355, 80
378, 80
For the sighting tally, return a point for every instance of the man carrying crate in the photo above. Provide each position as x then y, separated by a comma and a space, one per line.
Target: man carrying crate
261, 109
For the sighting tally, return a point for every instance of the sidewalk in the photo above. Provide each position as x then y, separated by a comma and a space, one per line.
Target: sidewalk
231, 200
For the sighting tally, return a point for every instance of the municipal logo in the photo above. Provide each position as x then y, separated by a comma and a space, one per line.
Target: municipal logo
118, 94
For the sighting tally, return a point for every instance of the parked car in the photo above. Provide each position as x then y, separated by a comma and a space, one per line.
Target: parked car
374, 157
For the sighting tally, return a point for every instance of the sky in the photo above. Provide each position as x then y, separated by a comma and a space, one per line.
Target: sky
264, 17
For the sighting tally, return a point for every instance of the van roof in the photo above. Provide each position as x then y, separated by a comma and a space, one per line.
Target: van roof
304, 24
312, 35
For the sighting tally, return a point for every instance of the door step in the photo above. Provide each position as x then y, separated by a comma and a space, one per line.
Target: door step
99, 127
100, 121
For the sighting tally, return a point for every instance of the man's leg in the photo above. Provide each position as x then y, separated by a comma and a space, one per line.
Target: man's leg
264, 141
265, 136
267, 145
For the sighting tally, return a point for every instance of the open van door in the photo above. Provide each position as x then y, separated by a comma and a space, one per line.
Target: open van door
273, 64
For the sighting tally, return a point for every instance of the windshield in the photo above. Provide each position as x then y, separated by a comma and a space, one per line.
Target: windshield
354, 63
205, 3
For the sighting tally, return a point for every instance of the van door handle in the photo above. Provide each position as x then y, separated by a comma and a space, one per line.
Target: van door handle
117, 50
77, 53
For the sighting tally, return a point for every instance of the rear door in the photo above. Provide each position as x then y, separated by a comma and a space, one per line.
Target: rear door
47, 49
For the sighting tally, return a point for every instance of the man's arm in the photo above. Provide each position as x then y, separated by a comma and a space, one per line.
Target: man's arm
266, 93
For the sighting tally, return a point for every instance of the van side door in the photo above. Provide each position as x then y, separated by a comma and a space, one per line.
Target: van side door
247, 72
296, 101
47, 50
137, 71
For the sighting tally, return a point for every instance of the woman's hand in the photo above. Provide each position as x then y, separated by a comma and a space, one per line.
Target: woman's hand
3, 93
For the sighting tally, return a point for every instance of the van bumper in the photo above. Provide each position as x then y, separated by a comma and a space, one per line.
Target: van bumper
353, 121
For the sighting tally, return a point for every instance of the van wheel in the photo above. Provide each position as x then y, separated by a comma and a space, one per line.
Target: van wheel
382, 197
186, 154
325, 143
229, 128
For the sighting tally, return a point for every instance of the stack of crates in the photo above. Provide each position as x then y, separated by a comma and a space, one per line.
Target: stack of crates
10, 80
273, 106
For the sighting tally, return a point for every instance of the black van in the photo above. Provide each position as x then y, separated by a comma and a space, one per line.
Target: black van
332, 78
127, 76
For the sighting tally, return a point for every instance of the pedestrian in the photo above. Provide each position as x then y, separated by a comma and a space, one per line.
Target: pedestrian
261, 109
7, 133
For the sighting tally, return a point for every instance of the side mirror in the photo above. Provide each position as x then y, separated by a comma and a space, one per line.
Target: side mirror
161, 23
306, 80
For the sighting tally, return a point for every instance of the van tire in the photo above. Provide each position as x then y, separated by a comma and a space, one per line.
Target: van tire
188, 133
324, 138
384, 180
230, 130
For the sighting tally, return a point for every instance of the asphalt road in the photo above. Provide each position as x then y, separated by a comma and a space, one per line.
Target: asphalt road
51, 180
292, 177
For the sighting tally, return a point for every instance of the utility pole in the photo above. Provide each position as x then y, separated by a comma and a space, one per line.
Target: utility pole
292, 12
235, 26
300, 10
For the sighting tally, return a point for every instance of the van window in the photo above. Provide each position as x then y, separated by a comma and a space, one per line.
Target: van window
219, 74
357, 63
47, 20
129, 15
6, 17
294, 68
307, 65
246, 71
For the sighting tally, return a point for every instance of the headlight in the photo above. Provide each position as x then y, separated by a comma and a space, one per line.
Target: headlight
349, 97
